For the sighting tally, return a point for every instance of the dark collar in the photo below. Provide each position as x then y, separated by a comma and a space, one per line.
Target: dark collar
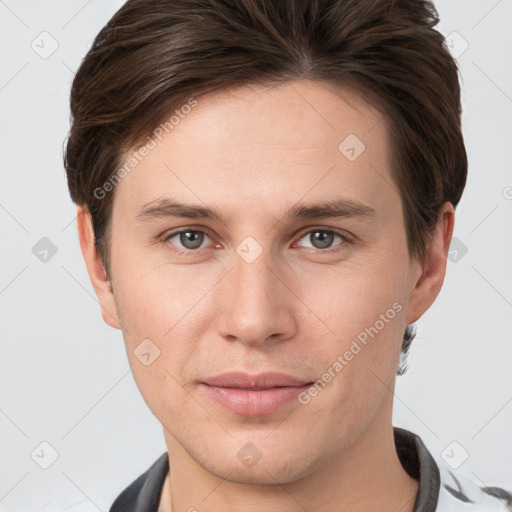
419, 464
143, 495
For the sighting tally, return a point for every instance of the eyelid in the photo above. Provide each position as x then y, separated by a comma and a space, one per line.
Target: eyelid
340, 232
171, 234
177, 231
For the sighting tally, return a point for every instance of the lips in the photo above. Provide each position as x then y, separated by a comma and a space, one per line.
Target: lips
254, 395
255, 382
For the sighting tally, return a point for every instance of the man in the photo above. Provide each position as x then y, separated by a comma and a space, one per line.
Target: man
266, 194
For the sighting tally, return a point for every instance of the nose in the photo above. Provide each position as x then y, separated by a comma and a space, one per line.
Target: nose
256, 304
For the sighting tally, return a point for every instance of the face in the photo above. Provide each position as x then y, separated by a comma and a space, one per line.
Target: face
291, 259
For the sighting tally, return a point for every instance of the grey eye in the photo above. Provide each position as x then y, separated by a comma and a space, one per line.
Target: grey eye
321, 238
190, 239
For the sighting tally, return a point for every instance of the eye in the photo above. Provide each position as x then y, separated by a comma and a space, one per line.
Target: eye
190, 239
323, 239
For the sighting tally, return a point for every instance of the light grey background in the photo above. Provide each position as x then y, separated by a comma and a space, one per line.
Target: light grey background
64, 374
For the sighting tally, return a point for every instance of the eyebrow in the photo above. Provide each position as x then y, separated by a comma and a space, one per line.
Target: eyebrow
164, 208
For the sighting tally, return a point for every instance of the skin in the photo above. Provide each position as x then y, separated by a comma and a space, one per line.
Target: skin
252, 153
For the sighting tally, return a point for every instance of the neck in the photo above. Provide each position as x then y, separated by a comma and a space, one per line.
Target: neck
367, 476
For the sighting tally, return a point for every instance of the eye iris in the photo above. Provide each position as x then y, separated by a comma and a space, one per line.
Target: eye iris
321, 239
191, 239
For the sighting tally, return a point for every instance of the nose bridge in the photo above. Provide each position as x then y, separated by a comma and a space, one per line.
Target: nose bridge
253, 277
253, 306
252, 260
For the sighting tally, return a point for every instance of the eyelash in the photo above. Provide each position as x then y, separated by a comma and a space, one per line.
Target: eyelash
189, 252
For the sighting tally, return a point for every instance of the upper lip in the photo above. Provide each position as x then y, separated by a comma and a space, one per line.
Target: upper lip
260, 380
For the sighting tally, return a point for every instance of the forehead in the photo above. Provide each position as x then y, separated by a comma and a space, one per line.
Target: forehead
291, 115
258, 144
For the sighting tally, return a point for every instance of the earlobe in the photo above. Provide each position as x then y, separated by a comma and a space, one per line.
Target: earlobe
95, 268
428, 285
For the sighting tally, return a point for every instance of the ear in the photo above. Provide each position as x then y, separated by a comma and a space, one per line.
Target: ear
95, 268
433, 270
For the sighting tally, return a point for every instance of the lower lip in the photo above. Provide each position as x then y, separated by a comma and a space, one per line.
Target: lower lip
254, 403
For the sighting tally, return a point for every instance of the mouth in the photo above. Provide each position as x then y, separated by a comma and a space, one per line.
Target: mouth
254, 395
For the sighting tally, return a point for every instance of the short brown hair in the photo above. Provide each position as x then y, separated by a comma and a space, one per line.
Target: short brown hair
153, 55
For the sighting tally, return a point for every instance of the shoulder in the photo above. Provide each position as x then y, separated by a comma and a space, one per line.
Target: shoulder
443, 489
459, 492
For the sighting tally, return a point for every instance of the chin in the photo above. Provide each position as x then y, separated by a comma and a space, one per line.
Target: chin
275, 468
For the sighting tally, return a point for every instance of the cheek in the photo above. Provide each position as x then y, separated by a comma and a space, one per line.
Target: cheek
154, 299
157, 311
353, 297
159, 339
359, 359
365, 314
